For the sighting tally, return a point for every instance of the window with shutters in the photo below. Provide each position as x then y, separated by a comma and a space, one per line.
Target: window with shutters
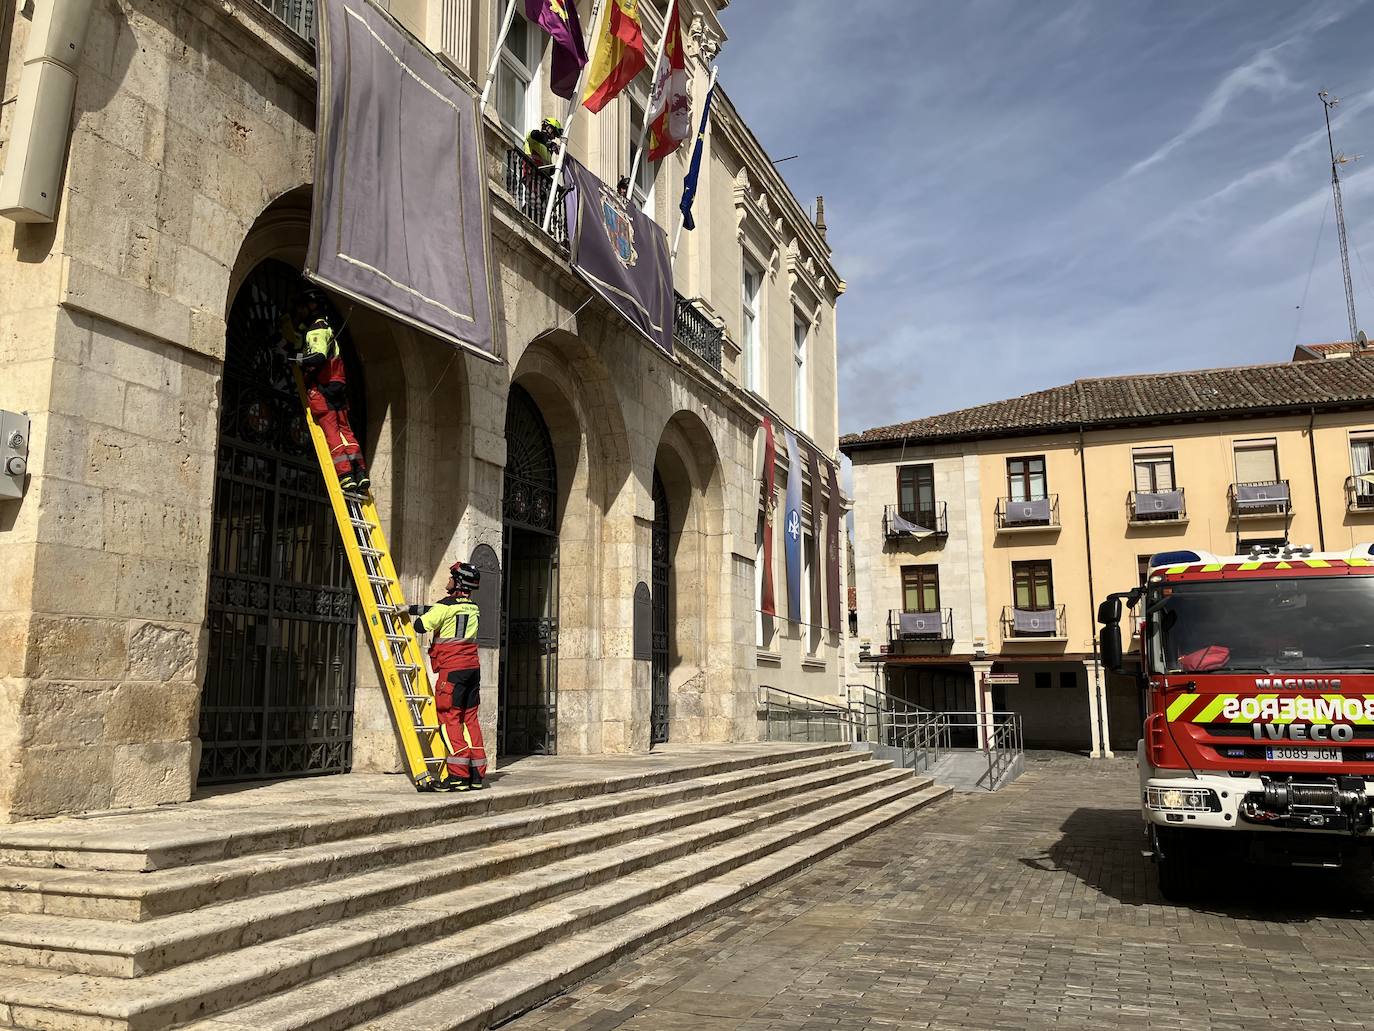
643, 186
751, 373
920, 588
1362, 470
801, 394
1257, 461
1026, 478
517, 91
1154, 469
1032, 585
916, 494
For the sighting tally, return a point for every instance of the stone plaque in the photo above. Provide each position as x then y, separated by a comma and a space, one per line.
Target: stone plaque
488, 596
644, 620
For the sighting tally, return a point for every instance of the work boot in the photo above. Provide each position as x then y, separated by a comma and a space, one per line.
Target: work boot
347, 483
475, 782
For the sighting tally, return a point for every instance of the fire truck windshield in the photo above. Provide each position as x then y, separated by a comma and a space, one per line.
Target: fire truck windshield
1262, 626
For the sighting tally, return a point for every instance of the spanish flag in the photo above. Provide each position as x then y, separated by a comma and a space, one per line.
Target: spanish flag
619, 54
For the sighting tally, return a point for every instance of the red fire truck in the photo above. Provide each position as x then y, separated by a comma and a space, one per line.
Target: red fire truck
1258, 678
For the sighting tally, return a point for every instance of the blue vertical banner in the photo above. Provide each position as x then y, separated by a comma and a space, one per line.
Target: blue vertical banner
792, 529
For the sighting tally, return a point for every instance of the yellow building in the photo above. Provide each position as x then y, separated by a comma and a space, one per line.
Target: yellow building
985, 537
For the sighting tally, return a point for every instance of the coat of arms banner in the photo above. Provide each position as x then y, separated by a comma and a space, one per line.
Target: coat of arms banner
621, 252
400, 217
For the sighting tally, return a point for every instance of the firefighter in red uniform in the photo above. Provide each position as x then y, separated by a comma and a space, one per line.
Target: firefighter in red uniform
457, 675
326, 389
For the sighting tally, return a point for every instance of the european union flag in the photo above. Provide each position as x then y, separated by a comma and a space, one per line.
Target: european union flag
689, 185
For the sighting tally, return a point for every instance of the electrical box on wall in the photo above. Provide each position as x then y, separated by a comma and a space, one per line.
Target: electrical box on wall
14, 453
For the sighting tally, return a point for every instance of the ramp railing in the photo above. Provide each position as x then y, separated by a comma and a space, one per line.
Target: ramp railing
788, 716
884, 719
998, 735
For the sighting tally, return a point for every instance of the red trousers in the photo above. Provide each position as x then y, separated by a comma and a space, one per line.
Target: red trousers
455, 696
338, 434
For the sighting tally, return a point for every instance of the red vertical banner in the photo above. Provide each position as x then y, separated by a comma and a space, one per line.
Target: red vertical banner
832, 578
813, 468
768, 499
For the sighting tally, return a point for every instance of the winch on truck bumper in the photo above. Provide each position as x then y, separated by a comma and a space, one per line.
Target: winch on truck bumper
1313, 803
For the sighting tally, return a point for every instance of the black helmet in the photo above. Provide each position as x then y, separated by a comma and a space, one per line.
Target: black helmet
313, 295
466, 575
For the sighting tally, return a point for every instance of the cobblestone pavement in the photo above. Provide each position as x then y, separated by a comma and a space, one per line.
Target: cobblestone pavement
1030, 908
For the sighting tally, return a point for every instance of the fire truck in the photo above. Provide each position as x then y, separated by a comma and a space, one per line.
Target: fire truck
1257, 673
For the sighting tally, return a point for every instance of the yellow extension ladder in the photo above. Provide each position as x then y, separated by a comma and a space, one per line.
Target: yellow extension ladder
388, 623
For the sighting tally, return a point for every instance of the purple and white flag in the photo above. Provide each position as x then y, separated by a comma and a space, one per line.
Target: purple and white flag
621, 252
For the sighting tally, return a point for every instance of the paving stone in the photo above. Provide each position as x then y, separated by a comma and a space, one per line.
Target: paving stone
1031, 908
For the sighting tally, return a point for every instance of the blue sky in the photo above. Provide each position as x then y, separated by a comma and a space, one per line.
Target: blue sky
1022, 193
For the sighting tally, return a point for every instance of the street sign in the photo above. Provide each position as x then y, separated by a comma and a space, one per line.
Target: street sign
1005, 679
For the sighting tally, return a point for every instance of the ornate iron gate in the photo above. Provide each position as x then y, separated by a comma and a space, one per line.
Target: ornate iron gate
527, 713
658, 664
278, 695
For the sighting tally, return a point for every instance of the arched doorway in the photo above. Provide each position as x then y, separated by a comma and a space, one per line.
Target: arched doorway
279, 683
527, 708
662, 628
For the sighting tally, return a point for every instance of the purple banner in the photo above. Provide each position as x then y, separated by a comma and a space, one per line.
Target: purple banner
400, 217
621, 252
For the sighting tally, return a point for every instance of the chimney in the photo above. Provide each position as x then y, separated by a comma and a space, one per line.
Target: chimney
820, 216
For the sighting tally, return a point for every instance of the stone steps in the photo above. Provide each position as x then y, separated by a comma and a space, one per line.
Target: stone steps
134, 896
199, 836
521, 901
133, 950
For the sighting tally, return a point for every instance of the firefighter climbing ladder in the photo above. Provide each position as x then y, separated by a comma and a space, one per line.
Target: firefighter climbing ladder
388, 625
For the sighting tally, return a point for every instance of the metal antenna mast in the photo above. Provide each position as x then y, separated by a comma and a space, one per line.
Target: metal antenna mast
1328, 102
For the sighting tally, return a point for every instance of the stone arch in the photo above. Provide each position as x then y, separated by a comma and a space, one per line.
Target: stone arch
700, 648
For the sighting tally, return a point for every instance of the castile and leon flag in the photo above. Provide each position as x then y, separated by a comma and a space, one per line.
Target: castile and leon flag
670, 112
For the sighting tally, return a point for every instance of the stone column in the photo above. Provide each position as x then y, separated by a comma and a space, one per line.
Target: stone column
1097, 709
982, 697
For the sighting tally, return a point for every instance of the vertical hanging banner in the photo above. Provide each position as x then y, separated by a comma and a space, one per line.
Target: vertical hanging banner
400, 220
621, 252
769, 501
791, 528
817, 507
834, 616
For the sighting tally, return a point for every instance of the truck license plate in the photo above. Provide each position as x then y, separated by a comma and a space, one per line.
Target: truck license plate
1304, 755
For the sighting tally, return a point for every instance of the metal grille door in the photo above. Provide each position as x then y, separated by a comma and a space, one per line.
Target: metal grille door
527, 717
278, 695
658, 665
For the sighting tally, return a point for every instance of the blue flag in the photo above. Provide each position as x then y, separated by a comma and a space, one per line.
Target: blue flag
689, 185
792, 529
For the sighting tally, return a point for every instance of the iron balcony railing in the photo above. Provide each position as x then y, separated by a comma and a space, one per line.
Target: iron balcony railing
1262, 498
788, 716
1033, 623
1156, 506
297, 15
918, 525
1359, 494
1034, 513
700, 335
530, 184
920, 626
999, 737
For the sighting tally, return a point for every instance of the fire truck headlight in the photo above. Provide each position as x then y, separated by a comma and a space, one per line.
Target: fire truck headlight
1188, 800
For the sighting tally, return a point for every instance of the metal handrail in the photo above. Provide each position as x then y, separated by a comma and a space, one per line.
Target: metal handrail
692, 327
882, 718
830, 722
1269, 507
999, 735
530, 184
296, 15
937, 516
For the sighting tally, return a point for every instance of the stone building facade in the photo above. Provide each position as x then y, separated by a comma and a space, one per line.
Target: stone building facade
1114, 471
174, 610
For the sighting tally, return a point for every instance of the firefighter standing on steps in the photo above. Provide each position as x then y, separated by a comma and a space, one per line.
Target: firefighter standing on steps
457, 675
326, 389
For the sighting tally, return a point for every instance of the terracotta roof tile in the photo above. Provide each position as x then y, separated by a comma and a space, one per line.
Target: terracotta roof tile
1118, 399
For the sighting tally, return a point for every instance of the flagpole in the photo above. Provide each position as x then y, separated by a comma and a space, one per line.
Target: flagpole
644, 129
573, 104
682, 218
507, 20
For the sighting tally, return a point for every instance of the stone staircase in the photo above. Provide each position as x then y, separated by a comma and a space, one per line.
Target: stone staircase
445, 912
